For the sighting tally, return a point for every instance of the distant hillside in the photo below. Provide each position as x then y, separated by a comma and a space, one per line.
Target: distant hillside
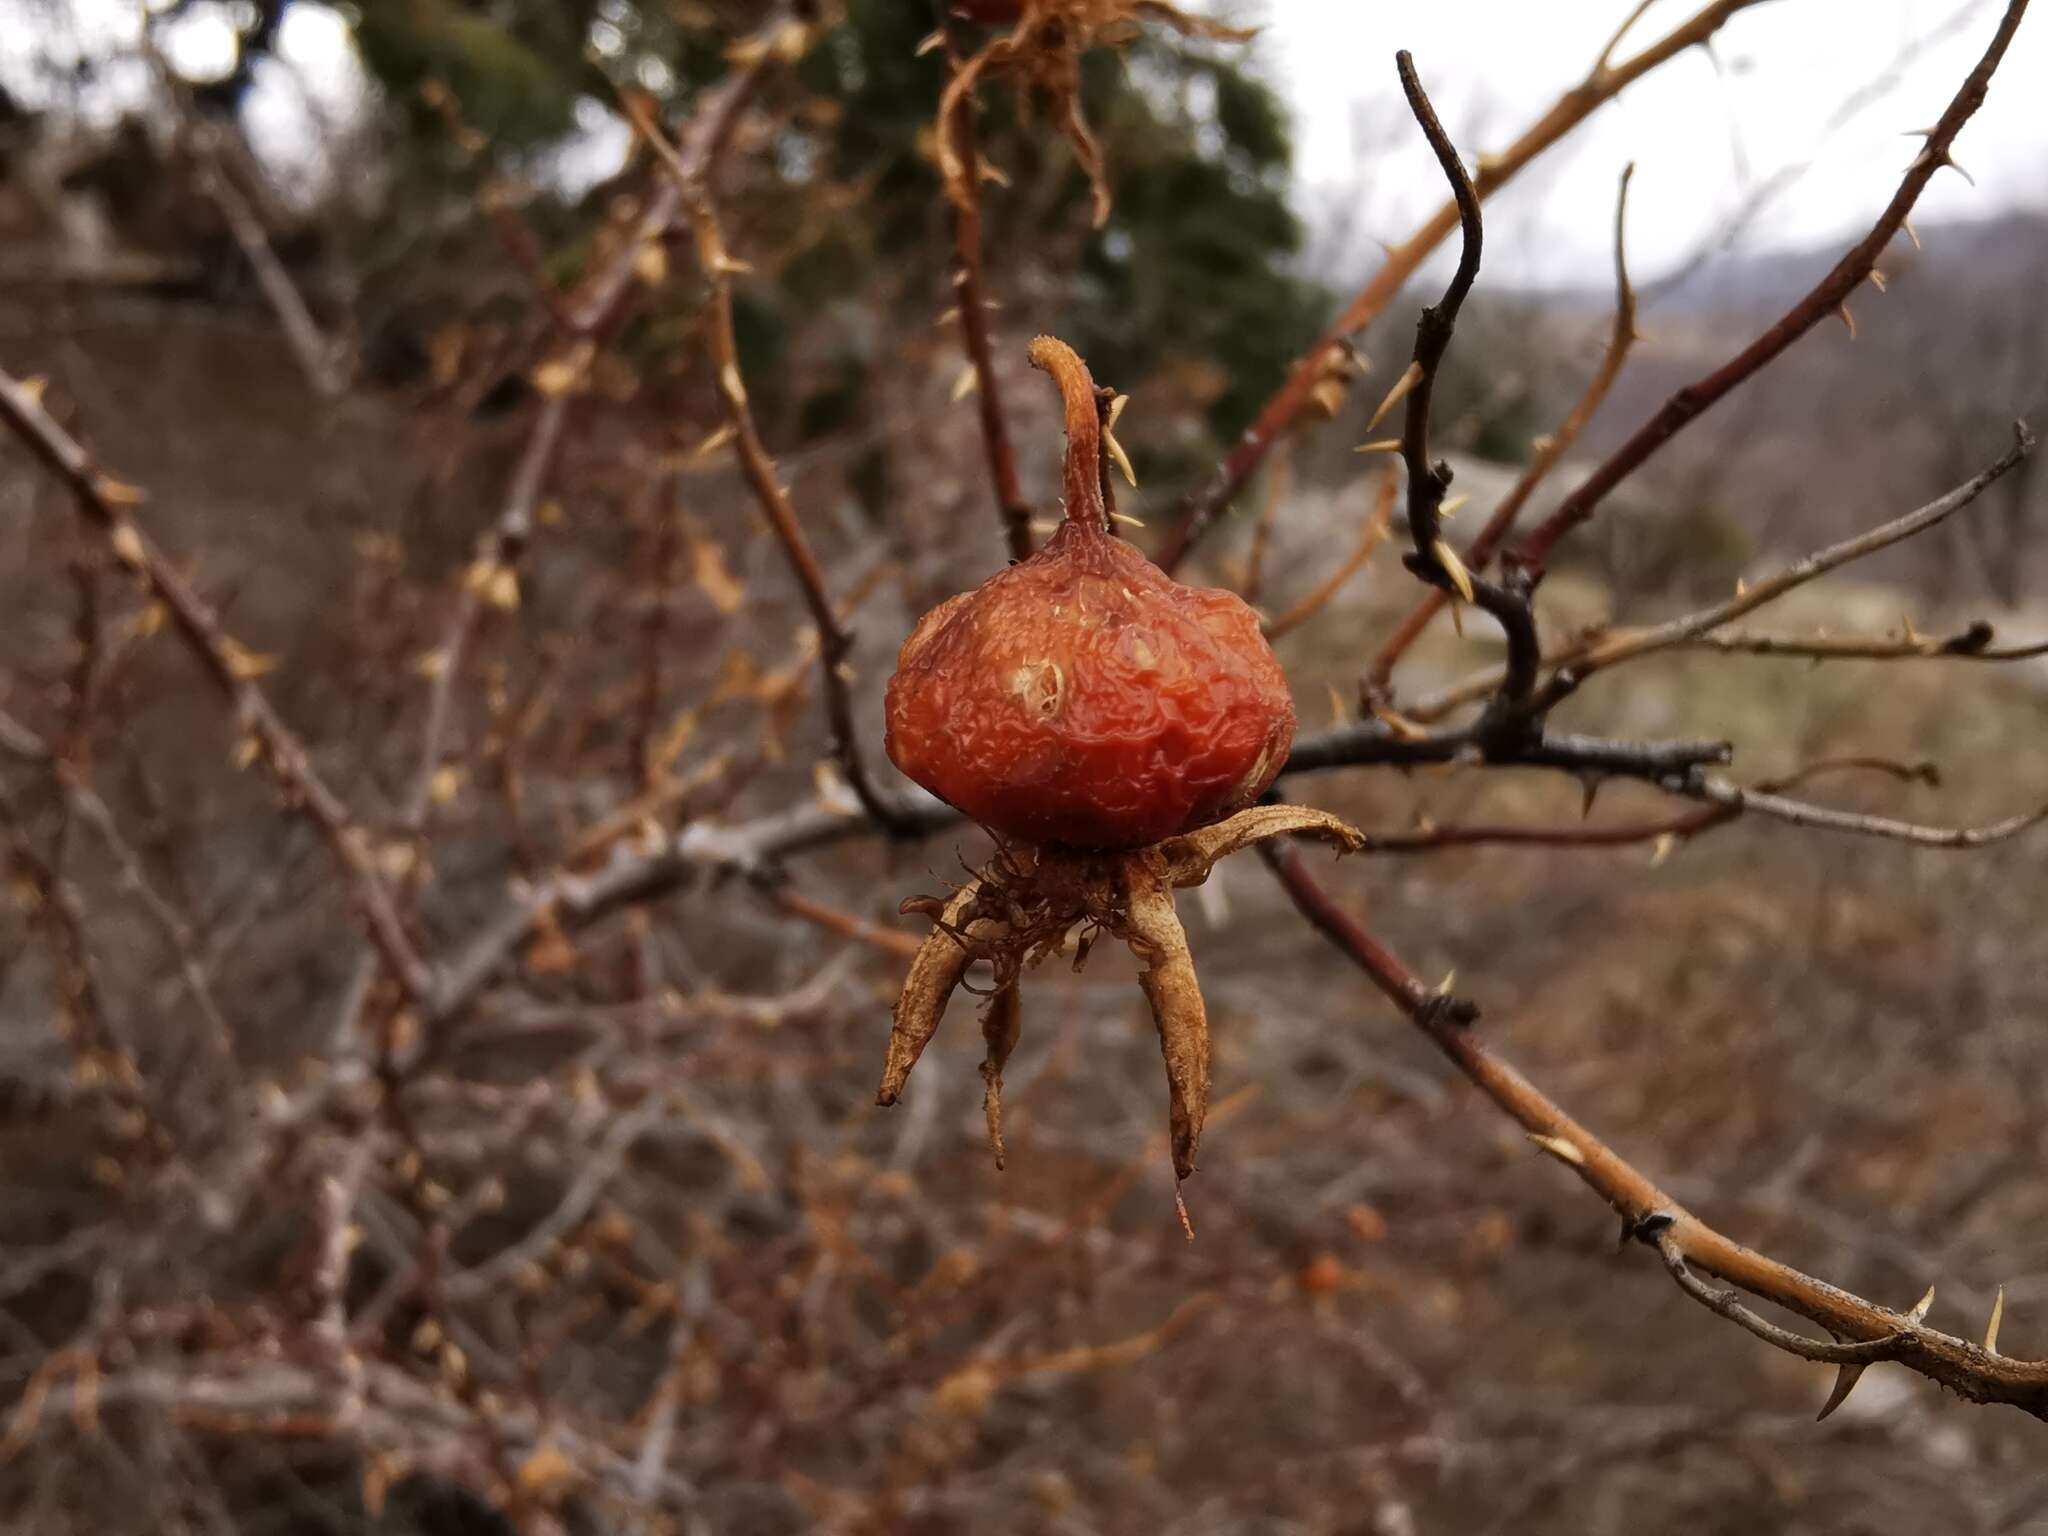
1841, 432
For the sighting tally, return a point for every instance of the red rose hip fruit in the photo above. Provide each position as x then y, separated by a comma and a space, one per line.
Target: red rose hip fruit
1083, 698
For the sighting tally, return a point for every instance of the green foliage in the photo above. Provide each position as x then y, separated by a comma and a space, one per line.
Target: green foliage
844, 216
513, 74
1191, 274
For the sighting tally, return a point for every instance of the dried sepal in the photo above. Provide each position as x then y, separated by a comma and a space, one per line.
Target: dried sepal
1187, 859
1156, 937
958, 938
1001, 1022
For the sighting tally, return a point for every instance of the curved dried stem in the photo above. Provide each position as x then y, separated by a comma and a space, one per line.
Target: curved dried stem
1081, 475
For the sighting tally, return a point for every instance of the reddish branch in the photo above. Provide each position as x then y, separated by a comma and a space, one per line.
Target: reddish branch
1827, 299
1200, 509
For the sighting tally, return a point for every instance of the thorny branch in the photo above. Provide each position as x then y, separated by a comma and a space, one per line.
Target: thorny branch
1573, 665
835, 640
1199, 511
1687, 1244
1550, 449
1828, 297
358, 1126
107, 503
492, 577
1433, 560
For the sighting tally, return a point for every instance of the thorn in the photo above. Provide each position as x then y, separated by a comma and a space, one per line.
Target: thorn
1450, 508
1566, 1152
931, 40
1589, 787
1443, 988
1877, 279
990, 172
1458, 619
1126, 519
1997, 1317
947, 316
1920, 1307
1116, 411
713, 443
1845, 1383
1410, 377
1912, 634
1180, 1209
1380, 445
968, 382
1118, 457
1454, 568
1911, 232
1661, 850
1847, 319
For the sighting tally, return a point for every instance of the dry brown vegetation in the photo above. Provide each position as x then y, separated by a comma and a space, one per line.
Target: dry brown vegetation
453, 928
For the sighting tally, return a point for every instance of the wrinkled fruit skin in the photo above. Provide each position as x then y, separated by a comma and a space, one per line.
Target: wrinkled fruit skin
1083, 698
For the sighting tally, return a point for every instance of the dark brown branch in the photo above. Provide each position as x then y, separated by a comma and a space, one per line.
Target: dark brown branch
1549, 451
1822, 303
1428, 479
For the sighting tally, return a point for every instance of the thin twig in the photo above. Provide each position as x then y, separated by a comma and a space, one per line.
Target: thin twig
1370, 537
1571, 667
835, 640
104, 502
1824, 818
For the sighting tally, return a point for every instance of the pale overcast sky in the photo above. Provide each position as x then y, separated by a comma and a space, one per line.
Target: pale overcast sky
1786, 68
